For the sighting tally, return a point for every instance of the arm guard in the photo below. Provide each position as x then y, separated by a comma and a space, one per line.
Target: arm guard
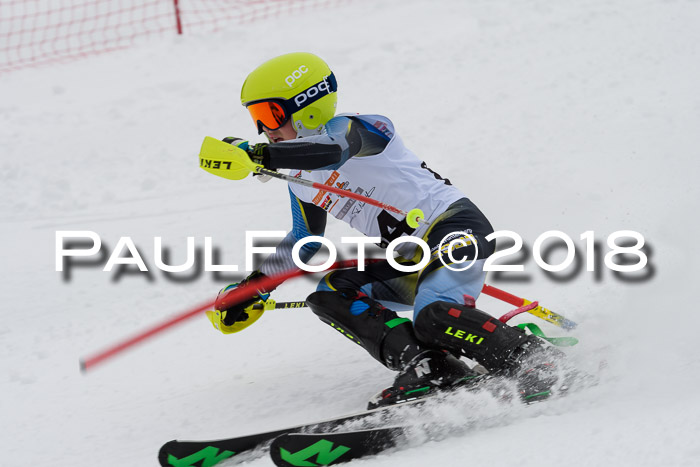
345, 137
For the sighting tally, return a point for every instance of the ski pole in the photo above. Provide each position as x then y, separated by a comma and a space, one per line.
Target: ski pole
273, 305
413, 217
539, 311
523, 305
231, 162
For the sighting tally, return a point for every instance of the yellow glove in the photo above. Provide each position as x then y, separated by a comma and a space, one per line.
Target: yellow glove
217, 317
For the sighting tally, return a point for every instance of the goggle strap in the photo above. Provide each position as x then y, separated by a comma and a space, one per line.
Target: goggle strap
296, 103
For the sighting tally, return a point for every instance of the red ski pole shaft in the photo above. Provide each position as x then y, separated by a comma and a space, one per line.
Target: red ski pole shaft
414, 214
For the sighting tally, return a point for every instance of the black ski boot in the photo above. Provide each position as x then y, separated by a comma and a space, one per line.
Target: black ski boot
504, 351
427, 373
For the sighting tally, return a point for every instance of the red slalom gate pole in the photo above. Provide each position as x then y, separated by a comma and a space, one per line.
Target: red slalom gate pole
234, 295
178, 21
503, 295
538, 310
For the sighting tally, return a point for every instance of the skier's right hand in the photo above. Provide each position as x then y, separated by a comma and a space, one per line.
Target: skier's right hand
257, 152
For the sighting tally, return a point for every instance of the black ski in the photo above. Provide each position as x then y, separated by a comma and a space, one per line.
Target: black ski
177, 453
297, 439
303, 449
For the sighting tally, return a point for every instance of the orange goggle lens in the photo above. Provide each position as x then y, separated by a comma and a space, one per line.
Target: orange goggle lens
269, 114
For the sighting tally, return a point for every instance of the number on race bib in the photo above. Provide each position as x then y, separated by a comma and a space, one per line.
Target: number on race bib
391, 228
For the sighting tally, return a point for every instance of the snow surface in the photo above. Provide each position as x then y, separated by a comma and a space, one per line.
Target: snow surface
563, 115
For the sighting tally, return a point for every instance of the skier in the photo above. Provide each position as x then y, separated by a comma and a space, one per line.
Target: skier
292, 100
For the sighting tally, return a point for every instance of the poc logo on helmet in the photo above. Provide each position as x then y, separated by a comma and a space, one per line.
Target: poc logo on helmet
296, 74
312, 92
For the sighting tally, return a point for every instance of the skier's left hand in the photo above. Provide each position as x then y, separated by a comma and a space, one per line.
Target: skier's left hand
237, 317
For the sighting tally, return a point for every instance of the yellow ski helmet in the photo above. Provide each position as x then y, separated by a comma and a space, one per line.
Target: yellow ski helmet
297, 86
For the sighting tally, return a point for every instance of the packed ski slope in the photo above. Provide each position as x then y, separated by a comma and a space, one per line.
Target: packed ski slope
571, 116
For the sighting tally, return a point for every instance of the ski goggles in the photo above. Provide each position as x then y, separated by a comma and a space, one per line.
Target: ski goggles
273, 114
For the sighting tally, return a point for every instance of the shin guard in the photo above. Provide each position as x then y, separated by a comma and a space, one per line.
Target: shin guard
468, 331
387, 337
